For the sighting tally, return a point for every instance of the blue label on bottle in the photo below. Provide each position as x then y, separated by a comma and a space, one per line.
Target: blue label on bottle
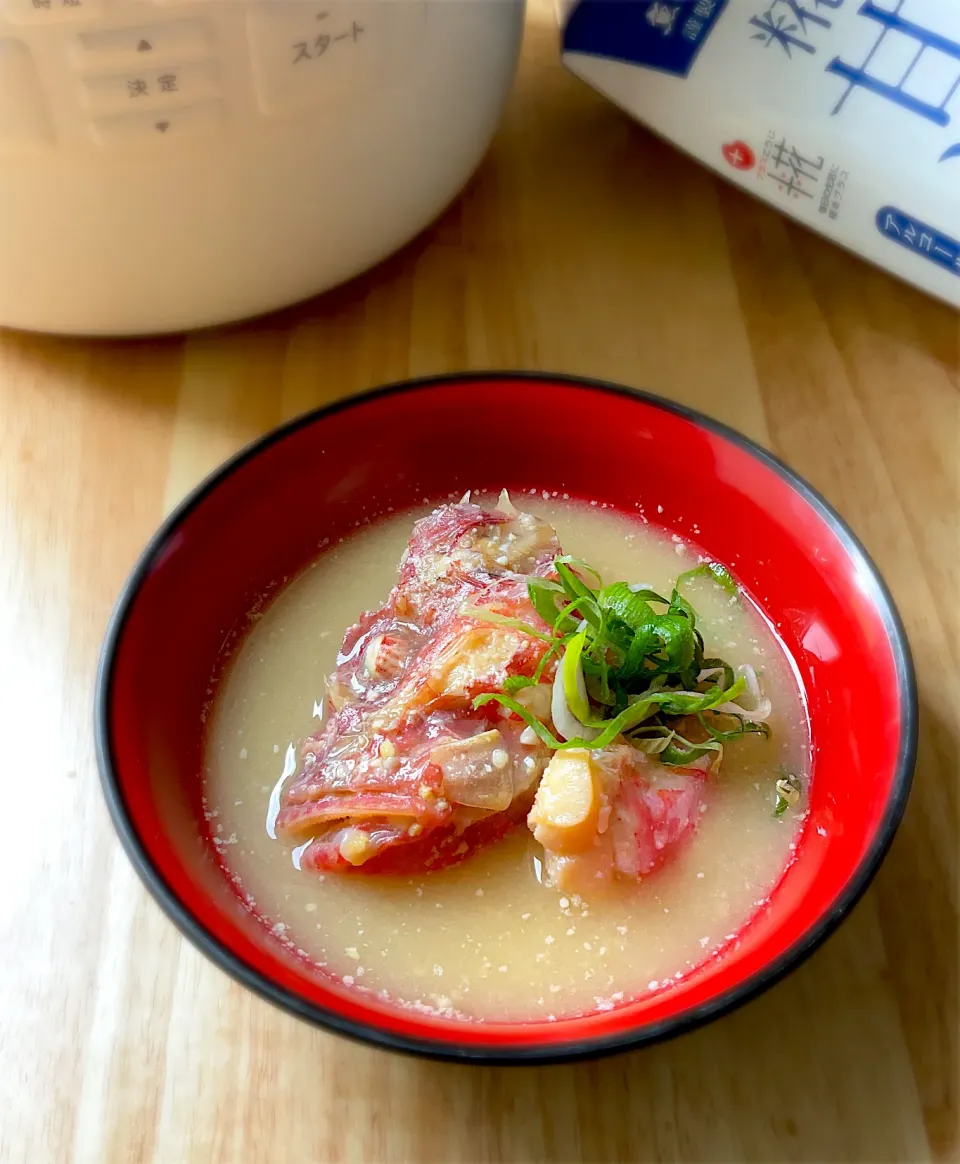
920, 238
665, 35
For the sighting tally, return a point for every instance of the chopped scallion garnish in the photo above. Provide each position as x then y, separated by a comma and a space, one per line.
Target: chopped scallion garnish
632, 664
491, 616
788, 792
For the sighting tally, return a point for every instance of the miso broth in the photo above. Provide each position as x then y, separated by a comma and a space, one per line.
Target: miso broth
485, 939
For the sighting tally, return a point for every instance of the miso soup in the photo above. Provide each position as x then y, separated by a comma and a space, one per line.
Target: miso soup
503, 925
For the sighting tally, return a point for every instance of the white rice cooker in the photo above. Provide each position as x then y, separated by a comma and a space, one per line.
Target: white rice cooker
171, 164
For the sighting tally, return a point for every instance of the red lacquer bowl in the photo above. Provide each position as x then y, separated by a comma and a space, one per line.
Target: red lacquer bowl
262, 517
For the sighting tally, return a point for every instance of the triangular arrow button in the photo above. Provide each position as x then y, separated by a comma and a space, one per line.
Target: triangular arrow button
163, 126
144, 47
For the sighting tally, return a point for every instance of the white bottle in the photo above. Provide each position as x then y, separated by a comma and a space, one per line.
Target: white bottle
845, 114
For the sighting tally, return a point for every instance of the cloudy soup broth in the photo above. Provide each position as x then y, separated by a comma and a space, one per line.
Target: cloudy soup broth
485, 939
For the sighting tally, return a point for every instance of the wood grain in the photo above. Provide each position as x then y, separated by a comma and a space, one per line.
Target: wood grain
583, 245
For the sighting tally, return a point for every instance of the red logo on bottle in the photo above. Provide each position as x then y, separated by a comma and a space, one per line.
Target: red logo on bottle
739, 155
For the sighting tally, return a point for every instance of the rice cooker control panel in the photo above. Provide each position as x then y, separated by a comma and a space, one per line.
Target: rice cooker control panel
116, 74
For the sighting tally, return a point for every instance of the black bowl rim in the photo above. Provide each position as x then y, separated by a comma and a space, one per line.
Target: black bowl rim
467, 1052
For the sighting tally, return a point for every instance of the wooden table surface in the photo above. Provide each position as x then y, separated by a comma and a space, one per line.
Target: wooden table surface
583, 245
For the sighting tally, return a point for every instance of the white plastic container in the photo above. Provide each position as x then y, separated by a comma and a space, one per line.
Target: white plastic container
169, 164
845, 114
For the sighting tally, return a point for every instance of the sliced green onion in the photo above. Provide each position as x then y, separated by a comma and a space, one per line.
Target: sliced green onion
491, 616
635, 714
689, 703
573, 678
630, 663
652, 745
670, 747
514, 683
679, 606
528, 717
563, 623
788, 791
718, 665
576, 588
542, 665
720, 574
569, 560
682, 757
674, 703
744, 727
543, 597
605, 695
612, 728
630, 606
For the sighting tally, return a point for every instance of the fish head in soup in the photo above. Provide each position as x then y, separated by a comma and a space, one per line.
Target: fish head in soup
406, 773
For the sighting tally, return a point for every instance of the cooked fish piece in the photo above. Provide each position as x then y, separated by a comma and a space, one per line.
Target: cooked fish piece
611, 812
406, 775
